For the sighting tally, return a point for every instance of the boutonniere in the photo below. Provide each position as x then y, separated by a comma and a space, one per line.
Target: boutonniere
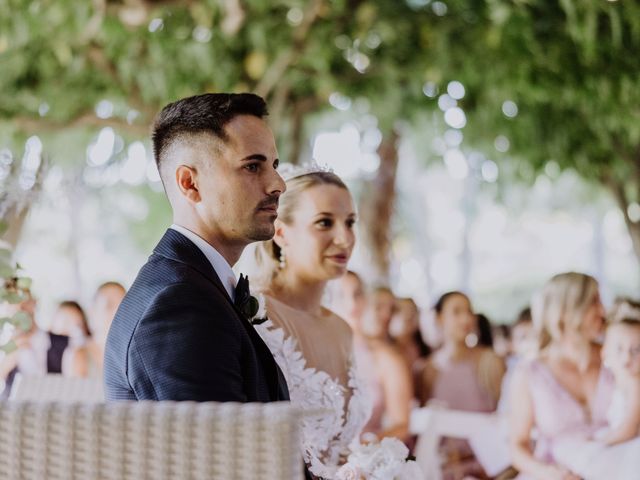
252, 308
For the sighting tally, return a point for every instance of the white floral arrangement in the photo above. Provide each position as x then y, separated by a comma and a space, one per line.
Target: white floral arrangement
387, 460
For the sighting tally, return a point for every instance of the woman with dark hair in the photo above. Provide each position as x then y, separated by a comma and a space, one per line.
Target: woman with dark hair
460, 377
68, 338
485, 333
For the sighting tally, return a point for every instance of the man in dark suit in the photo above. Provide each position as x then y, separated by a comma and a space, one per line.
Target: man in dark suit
179, 333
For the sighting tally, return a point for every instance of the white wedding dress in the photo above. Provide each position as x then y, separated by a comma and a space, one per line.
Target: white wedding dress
315, 355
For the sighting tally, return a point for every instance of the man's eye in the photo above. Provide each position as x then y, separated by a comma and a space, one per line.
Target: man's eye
276, 164
252, 167
351, 222
325, 222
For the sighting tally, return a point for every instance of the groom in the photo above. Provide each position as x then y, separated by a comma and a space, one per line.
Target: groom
180, 332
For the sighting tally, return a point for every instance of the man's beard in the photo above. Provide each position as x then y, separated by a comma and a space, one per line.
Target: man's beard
261, 231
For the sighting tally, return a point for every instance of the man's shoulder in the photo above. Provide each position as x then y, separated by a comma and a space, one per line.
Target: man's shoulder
160, 272
162, 284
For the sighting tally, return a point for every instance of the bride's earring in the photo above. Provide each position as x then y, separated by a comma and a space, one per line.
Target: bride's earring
283, 260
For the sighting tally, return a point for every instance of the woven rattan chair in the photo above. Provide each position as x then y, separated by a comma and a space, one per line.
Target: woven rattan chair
149, 440
57, 388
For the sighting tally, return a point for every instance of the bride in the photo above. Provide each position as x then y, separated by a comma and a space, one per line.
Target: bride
313, 242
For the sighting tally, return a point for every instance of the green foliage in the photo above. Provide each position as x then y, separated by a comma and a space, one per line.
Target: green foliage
13, 290
570, 66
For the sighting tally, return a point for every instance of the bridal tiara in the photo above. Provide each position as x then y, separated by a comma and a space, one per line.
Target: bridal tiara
289, 171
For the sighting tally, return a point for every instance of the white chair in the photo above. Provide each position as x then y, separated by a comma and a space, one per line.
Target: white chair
149, 440
486, 433
57, 388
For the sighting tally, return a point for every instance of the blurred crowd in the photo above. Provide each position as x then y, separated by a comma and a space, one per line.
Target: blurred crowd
72, 346
563, 359
560, 353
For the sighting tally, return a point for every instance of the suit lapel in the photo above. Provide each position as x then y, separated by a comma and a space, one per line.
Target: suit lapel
176, 246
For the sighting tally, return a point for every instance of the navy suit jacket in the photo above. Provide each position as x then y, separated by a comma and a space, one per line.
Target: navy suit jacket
178, 336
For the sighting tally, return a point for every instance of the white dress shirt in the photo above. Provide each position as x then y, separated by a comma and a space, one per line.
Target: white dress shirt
217, 261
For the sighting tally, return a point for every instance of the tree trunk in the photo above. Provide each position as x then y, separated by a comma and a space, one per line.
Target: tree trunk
377, 208
301, 108
617, 187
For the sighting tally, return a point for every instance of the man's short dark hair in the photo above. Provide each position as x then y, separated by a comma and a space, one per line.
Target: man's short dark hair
209, 112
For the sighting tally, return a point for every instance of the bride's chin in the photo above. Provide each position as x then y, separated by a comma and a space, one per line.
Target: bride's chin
336, 271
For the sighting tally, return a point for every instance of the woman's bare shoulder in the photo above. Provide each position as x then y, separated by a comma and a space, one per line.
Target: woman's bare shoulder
338, 324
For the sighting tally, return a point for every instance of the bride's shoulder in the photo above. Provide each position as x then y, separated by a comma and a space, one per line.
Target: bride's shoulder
338, 323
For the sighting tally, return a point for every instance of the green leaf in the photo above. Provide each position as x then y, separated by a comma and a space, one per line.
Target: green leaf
5, 255
23, 321
3, 227
24, 283
9, 347
14, 298
6, 271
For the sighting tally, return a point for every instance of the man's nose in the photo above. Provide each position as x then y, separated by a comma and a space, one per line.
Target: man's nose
277, 185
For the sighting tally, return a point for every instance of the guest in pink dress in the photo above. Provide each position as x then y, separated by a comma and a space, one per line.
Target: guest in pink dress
380, 364
460, 377
564, 391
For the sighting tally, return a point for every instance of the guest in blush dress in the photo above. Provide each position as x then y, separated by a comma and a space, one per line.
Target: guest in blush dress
381, 365
460, 377
565, 390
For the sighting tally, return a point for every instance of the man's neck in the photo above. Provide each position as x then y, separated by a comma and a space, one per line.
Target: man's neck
230, 251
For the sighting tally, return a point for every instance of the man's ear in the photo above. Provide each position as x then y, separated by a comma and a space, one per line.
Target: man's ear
279, 237
187, 182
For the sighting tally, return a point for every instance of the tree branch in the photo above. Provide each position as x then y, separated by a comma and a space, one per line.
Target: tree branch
33, 125
291, 54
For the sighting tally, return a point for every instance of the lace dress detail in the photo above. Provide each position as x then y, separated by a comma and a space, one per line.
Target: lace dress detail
326, 434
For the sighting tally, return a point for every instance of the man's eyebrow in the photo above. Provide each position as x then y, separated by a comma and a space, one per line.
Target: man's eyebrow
255, 156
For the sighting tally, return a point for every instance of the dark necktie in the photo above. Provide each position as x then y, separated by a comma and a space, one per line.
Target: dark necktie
242, 293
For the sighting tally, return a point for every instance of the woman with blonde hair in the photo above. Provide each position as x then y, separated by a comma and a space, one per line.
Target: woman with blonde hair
313, 241
564, 391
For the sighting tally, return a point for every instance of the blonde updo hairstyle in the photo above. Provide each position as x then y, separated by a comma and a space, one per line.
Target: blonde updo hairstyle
268, 252
560, 307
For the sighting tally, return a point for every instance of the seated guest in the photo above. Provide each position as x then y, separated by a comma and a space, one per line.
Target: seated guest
30, 357
564, 391
502, 340
404, 331
405, 334
68, 338
460, 377
386, 370
614, 451
380, 364
524, 344
103, 309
